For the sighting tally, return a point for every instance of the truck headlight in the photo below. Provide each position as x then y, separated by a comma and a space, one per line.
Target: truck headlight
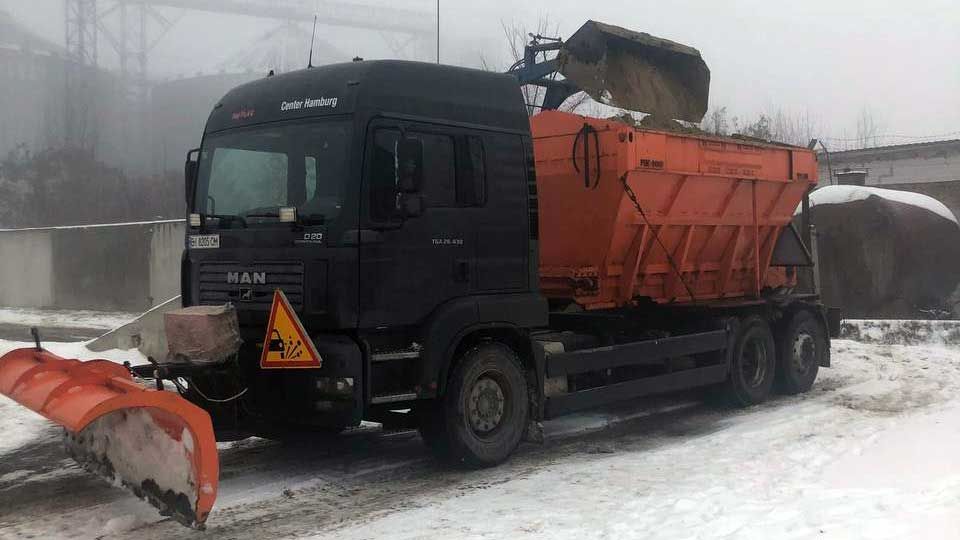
339, 386
288, 214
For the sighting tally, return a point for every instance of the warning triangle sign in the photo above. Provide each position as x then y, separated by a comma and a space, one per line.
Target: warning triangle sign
287, 344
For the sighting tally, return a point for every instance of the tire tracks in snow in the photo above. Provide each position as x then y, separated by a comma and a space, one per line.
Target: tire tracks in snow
274, 490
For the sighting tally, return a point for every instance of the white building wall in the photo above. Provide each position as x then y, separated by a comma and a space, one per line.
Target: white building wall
918, 163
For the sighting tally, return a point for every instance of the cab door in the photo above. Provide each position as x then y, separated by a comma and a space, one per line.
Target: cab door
410, 265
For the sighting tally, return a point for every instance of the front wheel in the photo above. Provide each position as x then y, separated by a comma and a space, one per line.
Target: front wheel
484, 410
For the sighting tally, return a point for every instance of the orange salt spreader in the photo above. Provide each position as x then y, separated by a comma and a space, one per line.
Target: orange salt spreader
628, 212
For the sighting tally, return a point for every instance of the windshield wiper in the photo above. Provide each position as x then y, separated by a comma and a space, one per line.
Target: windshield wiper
263, 212
310, 219
227, 218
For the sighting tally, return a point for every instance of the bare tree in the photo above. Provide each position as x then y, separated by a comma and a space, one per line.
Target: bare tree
517, 36
868, 128
715, 121
774, 124
796, 129
760, 128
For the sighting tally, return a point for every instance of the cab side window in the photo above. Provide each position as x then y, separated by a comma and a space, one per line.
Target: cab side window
472, 175
383, 176
454, 172
439, 170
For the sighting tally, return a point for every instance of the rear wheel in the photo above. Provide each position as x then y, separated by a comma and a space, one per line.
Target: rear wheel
481, 418
753, 363
802, 348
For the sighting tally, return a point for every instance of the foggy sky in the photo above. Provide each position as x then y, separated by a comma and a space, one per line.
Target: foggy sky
828, 58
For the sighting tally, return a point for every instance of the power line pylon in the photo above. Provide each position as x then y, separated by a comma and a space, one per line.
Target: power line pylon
81, 73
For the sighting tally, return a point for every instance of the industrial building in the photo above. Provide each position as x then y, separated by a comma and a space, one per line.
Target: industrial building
67, 96
32, 76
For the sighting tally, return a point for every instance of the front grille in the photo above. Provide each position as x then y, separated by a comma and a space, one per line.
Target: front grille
286, 276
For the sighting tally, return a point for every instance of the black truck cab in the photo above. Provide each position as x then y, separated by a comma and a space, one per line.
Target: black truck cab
414, 232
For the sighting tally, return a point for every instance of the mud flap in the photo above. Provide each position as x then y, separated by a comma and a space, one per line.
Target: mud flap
155, 443
534, 432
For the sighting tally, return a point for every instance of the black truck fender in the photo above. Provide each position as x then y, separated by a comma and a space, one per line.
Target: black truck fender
462, 321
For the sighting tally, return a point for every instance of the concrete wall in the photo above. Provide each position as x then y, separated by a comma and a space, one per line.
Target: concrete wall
115, 267
166, 246
26, 269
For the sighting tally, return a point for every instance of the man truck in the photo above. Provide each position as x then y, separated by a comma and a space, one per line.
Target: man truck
402, 242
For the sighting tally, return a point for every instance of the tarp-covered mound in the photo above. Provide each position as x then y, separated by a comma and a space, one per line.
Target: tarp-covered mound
886, 253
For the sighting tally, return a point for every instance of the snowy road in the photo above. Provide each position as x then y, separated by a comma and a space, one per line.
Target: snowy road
872, 452
59, 325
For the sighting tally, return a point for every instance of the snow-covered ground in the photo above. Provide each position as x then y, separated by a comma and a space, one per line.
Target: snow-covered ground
64, 318
903, 332
872, 452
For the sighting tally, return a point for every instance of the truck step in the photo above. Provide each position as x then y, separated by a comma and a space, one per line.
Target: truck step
395, 355
393, 398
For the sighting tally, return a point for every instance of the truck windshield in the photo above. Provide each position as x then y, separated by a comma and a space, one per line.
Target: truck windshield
247, 174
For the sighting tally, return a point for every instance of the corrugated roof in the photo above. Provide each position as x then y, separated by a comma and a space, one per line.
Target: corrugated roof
892, 148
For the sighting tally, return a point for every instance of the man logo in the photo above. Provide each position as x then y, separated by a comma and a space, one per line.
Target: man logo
246, 278
246, 294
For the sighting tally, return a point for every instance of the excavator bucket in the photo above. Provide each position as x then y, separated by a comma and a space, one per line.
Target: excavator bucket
637, 71
153, 442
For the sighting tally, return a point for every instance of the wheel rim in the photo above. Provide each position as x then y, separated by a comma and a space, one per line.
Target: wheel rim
753, 362
487, 404
804, 352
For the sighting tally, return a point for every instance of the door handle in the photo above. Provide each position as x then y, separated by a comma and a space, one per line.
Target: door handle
461, 271
356, 237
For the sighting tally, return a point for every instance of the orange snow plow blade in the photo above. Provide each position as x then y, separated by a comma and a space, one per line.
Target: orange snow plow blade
155, 443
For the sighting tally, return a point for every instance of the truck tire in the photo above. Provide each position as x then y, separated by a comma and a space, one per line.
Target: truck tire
802, 347
753, 363
484, 410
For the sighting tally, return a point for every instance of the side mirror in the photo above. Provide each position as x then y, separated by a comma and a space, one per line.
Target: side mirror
411, 205
409, 165
190, 167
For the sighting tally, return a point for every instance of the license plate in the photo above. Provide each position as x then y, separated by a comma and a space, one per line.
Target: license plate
205, 241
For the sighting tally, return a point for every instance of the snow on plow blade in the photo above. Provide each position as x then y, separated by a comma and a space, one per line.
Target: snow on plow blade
155, 443
637, 71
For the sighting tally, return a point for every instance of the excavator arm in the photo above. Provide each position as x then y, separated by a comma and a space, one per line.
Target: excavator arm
621, 68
